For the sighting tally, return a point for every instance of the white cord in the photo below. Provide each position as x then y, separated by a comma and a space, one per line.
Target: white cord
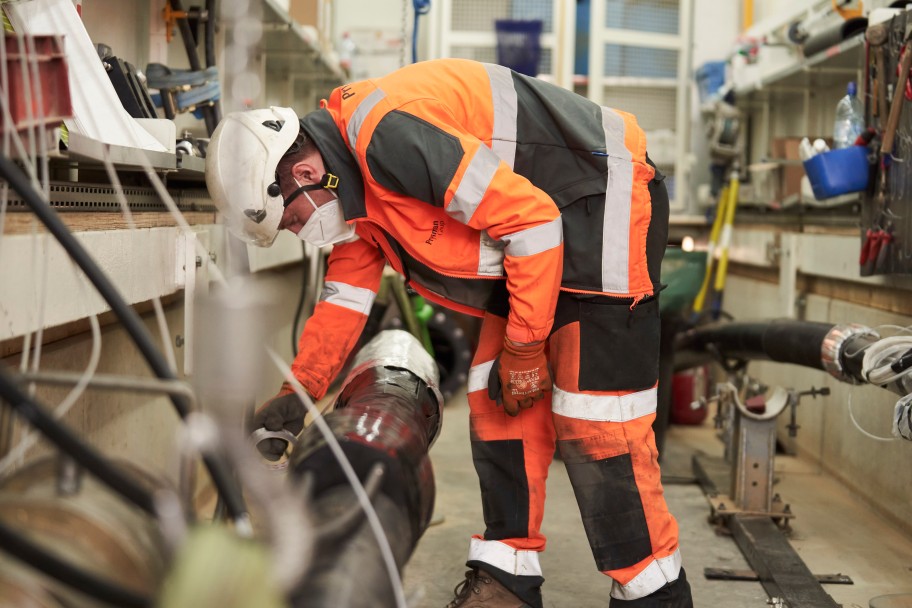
880, 355
861, 430
902, 418
350, 474
15, 455
162, 321
165, 196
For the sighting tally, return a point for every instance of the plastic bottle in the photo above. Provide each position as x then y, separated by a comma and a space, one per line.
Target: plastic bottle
849, 119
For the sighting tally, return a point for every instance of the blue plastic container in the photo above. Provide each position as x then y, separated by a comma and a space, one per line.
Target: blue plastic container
838, 171
710, 77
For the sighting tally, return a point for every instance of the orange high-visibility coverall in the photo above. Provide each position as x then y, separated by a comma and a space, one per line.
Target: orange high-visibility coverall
504, 196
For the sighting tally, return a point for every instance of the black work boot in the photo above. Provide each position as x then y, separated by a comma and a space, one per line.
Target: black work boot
481, 590
675, 594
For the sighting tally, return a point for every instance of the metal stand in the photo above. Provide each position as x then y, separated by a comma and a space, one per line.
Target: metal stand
755, 517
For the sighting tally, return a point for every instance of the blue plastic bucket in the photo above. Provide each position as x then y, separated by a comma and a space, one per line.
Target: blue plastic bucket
838, 171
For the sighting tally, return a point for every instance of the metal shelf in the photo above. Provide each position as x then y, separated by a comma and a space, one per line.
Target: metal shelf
86, 149
833, 64
629, 81
293, 51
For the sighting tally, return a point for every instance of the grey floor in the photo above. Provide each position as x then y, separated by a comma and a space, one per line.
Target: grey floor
833, 532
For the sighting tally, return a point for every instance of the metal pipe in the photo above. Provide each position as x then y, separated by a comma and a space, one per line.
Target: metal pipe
388, 413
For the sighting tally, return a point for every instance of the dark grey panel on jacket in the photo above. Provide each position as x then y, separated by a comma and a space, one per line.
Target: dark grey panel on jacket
412, 157
557, 132
473, 293
321, 128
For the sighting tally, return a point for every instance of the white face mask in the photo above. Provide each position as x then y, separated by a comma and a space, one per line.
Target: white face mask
327, 225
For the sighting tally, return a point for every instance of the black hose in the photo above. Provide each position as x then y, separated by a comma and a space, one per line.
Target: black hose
89, 583
210, 53
210, 33
797, 342
67, 441
125, 313
186, 37
183, 25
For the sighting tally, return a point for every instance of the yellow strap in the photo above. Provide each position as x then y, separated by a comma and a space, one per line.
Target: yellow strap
710, 250
726, 231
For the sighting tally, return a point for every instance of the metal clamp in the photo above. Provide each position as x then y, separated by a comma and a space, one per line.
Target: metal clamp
832, 345
261, 434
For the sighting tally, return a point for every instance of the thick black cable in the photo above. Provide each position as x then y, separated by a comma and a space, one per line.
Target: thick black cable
125, 313
785, 341
210, 33
186, 36
23, 549
75, 447
210, 54
193, 58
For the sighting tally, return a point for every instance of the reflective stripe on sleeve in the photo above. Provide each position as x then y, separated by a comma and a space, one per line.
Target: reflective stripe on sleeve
657, 574
360, 113
604, 408
478, 376
504, 557
348, 296
535, 240
618, 194
503, 98
490, 256
474, 184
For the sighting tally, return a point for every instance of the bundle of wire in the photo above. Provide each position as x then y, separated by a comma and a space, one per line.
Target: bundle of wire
888, 360
902, 419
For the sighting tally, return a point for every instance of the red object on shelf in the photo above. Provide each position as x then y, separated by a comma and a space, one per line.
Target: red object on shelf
689, 390
36, 63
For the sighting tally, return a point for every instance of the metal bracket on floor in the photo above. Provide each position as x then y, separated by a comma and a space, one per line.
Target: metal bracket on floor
778, 566
729, 574
721, 505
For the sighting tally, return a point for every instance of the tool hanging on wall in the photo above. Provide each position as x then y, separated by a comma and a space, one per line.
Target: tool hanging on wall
876, 36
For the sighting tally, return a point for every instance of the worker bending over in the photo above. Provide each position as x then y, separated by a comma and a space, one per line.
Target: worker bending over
502, 196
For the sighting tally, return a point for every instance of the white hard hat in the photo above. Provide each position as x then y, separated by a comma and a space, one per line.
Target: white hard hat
241, 162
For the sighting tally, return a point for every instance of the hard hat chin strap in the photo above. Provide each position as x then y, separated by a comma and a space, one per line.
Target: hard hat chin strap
328, 181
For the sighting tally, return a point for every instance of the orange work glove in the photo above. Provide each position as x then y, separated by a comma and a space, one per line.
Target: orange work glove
522, 373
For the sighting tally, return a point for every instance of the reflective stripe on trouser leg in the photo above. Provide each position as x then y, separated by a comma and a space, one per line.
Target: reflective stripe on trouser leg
607, 444
511, 454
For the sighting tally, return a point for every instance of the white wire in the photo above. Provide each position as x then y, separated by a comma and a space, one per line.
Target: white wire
15, 455
861, 430
42, 280
165, 196
162, 321
350, 474
42, 130
879, 356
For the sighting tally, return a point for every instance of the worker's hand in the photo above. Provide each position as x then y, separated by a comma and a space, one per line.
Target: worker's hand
519, 376
282, 412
